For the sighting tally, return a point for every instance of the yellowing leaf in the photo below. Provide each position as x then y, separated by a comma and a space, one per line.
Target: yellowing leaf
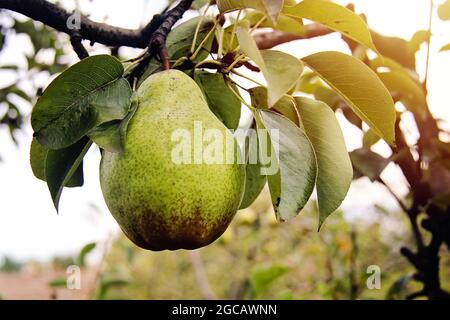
335, 172
385, 62
370, 138
445, 48
229, 40
360, 87
335, 17
249, 47
395, 48
444, 10
271, 8
280, 69
282, 73
411, 94
418, 39
285, 23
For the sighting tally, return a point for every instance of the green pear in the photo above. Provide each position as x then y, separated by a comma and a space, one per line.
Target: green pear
161, 191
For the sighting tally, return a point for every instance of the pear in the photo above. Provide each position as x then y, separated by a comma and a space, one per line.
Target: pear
160, 201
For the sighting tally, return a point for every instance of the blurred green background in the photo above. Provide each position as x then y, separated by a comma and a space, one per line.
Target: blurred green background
256, 258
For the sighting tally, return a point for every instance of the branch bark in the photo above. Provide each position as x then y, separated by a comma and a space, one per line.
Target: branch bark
267, 40
57, 18
80, 50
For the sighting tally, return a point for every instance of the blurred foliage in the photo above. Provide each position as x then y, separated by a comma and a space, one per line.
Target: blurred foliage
46, 56
10, 265
257, 258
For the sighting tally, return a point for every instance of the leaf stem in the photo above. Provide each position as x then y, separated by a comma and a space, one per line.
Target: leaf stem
197, 29
248, 78
208, 62
233, 32
238, 96
235, 62
200, 46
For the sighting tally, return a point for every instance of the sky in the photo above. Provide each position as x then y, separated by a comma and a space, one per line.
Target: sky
29, 225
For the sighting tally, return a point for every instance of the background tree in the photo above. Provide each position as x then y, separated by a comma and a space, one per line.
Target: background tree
234, 44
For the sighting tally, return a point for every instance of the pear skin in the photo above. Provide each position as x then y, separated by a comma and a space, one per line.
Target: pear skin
160, 203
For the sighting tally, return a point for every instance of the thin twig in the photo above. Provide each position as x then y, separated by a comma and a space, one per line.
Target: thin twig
389, 189
77, 45
57, 18
200, 275
430, 26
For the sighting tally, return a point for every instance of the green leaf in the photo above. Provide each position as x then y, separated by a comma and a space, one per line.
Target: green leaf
179, 40
281, 70
282, 73
284, 106
409, 91
397, 291
20, 93
153, 66
262, 277
197, 4
222, 102
9, 67
108, 281
110, 136
367, 163
293, 182
271, 8
38, 160
58, 283
107, 136
334, 17
61, 165
334, 174
360, 87
38, 157
249, 47
255, 178
81, 261
84, 96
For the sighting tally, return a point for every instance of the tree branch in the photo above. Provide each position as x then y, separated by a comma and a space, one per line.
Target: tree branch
157, 42
75, 40
57, 18
267, 40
